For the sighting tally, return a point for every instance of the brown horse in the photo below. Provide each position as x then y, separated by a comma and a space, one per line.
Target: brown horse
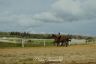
64, 40
56, 39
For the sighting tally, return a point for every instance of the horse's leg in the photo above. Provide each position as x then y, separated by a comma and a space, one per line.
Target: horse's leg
66, 43
57, 44
62, 43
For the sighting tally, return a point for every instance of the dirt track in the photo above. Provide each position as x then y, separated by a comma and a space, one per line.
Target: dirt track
75, 54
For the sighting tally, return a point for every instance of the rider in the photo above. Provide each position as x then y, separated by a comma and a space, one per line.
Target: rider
59, 35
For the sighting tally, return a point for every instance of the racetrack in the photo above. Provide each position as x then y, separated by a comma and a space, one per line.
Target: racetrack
75, 54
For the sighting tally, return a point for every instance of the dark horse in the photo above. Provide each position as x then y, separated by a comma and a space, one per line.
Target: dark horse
64, 40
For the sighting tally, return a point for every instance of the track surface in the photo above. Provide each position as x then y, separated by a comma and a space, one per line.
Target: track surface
75, 54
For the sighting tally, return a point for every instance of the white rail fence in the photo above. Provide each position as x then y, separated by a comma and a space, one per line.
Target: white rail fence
24, 41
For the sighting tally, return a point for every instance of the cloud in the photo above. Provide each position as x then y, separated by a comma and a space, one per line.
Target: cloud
47, 17
19, 20
60, 11
34, 14
69, 10
74, 10
20, 13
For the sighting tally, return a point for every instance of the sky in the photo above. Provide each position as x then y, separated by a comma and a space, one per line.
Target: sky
48, 16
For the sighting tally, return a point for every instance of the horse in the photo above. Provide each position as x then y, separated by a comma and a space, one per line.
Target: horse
64, 40
56, 39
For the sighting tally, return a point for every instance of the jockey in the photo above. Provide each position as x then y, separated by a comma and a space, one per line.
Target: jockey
59, 36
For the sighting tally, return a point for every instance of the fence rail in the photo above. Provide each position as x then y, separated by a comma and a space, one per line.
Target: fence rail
37, 42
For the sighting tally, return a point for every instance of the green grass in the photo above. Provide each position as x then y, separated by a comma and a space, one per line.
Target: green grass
4, 44
37, 43
33, 43
30, 43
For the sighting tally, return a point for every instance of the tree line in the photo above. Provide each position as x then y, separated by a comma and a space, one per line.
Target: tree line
24, 35
38, 36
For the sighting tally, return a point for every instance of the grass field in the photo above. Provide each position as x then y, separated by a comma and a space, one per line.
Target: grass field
75, 54
18, 42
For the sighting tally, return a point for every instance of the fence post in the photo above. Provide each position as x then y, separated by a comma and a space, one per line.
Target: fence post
22, 43
44, 43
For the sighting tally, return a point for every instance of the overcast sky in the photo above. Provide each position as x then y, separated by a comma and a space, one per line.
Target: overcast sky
48, 16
